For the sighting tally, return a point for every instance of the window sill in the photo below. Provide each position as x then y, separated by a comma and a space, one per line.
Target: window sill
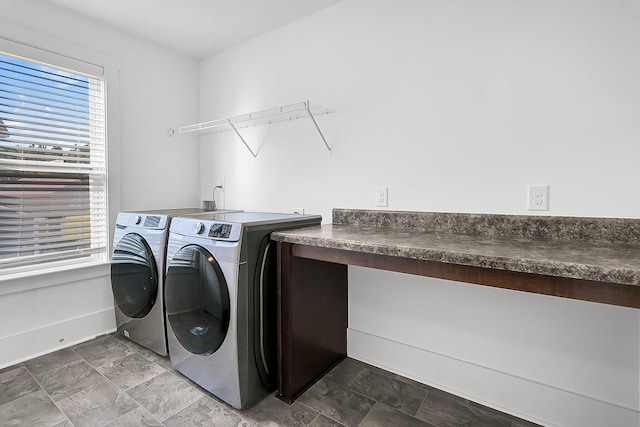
20, 282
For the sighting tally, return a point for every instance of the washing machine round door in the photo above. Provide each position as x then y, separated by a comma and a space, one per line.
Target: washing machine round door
134, 276
197, 300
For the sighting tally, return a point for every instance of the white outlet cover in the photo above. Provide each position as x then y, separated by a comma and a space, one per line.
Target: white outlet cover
382, 194
538, 197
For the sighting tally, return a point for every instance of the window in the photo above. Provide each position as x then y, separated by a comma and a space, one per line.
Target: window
52, 164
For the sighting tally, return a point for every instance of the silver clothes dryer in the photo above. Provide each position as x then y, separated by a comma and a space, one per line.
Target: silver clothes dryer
137, 274
220, 300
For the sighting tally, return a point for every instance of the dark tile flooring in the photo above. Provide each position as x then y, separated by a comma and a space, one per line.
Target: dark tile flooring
110, 381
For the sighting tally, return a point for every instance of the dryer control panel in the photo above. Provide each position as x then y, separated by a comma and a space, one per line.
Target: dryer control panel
142, 220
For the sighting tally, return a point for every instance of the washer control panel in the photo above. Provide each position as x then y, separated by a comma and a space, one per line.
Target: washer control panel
216, 230
220, 230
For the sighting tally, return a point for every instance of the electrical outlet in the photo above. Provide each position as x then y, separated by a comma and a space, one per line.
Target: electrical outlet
538, 198
382, 196
297, 210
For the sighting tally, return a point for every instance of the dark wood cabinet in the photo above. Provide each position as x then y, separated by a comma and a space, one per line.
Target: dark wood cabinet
312, 320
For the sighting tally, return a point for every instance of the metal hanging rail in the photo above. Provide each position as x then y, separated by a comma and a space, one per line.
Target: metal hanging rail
265, 117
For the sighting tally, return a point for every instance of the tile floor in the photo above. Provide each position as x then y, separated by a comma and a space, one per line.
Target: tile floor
110, 381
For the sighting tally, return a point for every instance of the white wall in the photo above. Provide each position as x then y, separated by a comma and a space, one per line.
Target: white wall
553, 361
456, 106
149, 90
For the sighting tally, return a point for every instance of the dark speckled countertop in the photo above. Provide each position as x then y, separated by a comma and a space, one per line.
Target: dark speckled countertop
599, 249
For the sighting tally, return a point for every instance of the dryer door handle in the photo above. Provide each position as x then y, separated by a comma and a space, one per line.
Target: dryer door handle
262, 306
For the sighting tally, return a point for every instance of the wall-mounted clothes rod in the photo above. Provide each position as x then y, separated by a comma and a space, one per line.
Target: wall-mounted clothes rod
265, 117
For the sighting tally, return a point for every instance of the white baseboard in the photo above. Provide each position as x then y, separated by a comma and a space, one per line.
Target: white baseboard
523, 398
36, 342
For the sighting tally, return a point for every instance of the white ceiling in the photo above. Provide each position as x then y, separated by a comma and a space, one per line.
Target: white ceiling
198, 28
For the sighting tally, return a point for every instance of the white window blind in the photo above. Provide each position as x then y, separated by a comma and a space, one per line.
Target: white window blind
52, 165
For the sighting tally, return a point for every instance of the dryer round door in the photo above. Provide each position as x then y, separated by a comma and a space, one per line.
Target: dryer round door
197, 300
134, 276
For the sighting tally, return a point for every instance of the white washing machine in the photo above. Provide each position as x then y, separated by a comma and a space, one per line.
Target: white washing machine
137, 274
220, 295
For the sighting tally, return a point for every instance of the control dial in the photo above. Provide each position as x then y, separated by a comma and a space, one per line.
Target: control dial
199, 228
137, 220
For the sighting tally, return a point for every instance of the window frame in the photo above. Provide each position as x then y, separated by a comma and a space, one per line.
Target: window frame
65, 57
